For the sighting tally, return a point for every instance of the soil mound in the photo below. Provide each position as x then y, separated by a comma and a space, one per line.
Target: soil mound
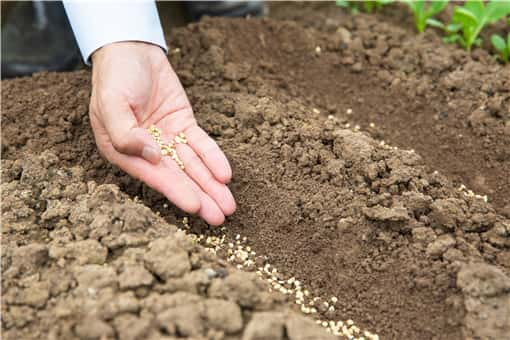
412, 90
84, 261
406, 253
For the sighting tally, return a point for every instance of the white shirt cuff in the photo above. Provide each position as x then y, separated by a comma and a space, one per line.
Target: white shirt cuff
96, 24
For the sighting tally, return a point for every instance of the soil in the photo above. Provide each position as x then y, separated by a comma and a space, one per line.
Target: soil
456, 108
84, 261
384, 229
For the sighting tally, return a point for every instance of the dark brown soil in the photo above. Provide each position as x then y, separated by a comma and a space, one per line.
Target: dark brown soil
84, 261
452, 108
407, 253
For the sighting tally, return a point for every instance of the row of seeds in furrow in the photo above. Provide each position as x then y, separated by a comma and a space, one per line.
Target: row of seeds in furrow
239, 253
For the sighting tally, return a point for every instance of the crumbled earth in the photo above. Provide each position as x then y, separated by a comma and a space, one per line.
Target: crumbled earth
407, 254
451, 106
84, 261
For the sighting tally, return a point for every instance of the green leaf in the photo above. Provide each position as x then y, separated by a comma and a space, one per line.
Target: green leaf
498, 42
476, 8
497, 10
419, 4
465, 17
436, 7
369, 6
452, 38
453, 28
435, 23
342, 3
502, 46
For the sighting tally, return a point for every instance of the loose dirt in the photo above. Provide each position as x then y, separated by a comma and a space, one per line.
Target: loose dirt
84, 261
406, 252
453, 108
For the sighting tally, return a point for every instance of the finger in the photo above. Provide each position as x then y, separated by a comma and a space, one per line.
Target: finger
209, 210
169, 181
138, 142
210, 153
125, 134
197, 170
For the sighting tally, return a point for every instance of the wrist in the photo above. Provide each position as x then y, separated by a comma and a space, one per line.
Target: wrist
123, 48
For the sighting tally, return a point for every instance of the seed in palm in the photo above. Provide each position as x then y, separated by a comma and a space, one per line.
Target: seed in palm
168, 149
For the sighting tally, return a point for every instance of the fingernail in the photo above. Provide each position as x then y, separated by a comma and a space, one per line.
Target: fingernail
151, 154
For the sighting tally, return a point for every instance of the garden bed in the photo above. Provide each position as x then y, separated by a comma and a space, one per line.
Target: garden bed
387, 231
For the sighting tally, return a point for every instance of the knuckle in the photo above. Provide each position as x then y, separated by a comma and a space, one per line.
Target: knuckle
120, 144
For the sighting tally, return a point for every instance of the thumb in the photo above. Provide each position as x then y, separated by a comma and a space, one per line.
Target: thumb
130, 139
137, 142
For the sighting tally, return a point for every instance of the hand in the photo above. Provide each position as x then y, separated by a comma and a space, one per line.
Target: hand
134, 87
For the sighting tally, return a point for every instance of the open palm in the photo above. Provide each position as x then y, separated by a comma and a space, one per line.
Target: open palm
133, 88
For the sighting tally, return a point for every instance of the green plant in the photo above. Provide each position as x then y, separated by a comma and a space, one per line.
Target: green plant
375, 5
423, 14
368, 6
502, 46
470, 19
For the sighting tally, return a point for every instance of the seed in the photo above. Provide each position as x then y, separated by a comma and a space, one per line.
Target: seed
180, 139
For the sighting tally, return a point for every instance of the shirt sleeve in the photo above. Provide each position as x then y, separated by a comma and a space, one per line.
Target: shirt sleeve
96, 24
